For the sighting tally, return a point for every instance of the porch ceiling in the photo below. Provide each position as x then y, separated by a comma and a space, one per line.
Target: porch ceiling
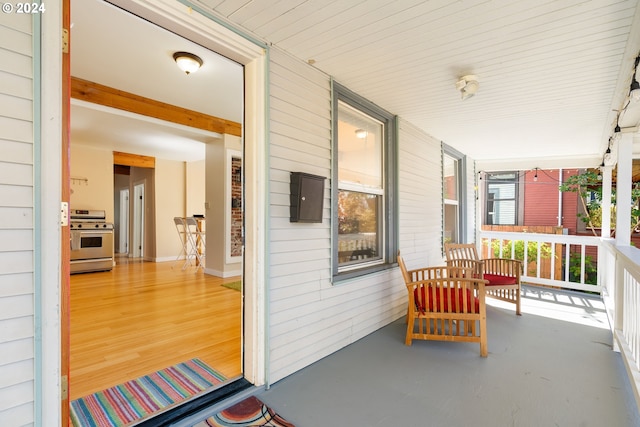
553, 75
550, 72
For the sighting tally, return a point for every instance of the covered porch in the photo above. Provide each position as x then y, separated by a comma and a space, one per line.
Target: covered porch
554, 365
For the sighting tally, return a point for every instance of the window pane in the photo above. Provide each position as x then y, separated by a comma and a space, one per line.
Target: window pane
501, 198
359, 148
503, 213
450, 223
502, 191
450, 179
358, 227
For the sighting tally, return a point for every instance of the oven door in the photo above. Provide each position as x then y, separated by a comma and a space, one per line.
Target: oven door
91, 244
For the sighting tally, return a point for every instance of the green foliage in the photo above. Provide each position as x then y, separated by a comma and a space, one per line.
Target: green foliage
356, 212
590, 269
518, 253
590, 182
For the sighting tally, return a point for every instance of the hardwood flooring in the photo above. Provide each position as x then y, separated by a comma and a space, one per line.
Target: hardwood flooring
144, 316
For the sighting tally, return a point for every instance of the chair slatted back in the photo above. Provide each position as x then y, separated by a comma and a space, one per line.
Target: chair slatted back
455, 251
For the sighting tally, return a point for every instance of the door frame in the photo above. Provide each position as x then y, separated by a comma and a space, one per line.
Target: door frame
201, 27
123, 222
139, 203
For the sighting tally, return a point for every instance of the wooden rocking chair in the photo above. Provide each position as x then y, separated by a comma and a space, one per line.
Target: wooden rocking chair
502, 274
445, 304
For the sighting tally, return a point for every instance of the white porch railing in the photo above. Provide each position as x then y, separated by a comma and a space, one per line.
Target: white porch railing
559, 260
583, 263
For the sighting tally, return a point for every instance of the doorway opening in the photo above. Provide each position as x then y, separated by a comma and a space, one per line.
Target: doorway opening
131, 300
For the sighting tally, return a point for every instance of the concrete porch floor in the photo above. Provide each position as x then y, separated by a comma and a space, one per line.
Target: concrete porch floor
553, 366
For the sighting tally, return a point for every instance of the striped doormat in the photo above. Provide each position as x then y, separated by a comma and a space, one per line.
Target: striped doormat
125, 403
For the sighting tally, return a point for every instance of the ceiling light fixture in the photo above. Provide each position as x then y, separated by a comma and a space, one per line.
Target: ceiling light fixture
187, 62
361, 133
468, 86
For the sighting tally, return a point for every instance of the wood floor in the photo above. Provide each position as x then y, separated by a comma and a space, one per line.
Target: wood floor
143, 316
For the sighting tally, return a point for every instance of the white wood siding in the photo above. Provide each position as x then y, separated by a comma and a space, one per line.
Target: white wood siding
420, 198
16, 222
309, 316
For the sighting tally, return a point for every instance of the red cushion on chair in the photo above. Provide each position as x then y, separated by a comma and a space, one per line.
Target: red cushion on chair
420, 297
499, 280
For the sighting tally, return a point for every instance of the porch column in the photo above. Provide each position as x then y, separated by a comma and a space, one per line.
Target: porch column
623, 190
606, 201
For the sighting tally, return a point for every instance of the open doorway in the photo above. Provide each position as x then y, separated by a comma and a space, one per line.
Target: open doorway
135, 294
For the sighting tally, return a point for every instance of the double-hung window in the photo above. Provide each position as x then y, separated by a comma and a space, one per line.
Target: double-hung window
453, 195
364, 211
502, 198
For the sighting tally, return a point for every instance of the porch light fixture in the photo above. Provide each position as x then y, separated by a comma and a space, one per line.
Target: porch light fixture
468, 86
187, 62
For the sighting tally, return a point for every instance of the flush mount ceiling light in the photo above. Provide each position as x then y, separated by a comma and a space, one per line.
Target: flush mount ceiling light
468, 86
361, 133
187, 62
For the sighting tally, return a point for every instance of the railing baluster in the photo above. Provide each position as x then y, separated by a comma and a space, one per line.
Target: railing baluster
582, 260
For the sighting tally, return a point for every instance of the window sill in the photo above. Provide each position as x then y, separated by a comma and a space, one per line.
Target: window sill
348, 276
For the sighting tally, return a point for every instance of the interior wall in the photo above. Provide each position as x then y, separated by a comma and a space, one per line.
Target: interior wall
219, 206
195, 188
92, 179
170, 202
176, 181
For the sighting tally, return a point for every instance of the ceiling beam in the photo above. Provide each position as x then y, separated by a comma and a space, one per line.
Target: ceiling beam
104, 95
135, 160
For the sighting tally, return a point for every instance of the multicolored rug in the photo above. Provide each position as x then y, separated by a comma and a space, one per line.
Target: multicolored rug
125, 403
250, 412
